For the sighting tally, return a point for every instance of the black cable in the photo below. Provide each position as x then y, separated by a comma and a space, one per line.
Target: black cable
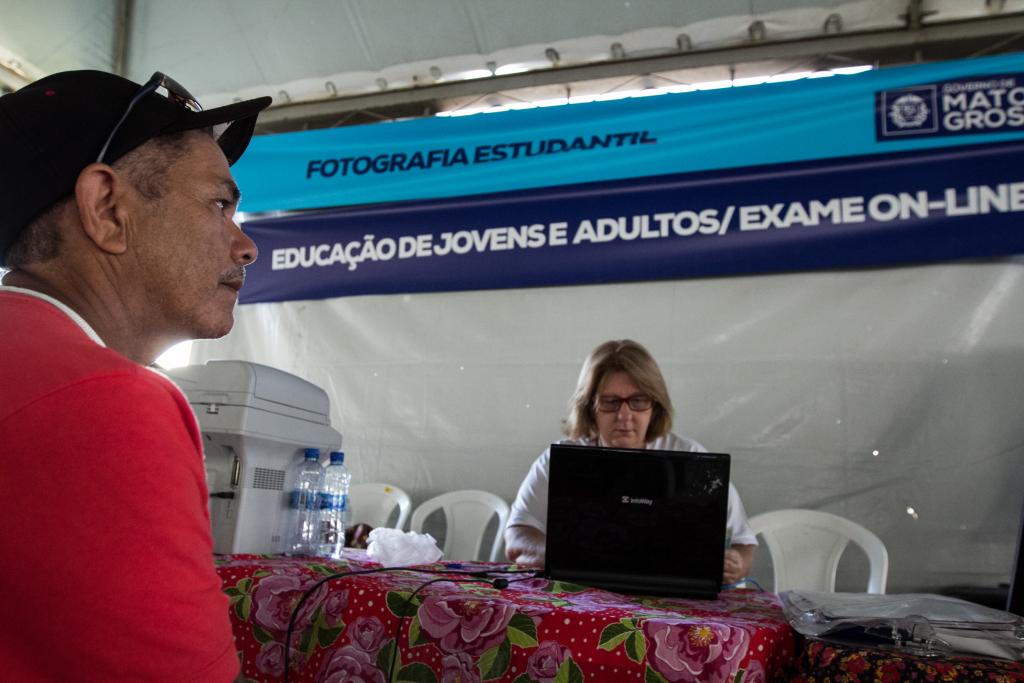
750, 580
742, 583
479, 575
302, 600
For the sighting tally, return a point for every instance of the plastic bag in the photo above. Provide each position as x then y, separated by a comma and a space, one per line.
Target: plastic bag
394, 548
921, 623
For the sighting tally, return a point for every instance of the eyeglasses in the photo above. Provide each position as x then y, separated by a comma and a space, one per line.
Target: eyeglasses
611, 404
175, 93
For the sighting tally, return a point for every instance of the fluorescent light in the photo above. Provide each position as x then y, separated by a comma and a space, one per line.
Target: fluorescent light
850, 70
679, 88
615, 95
652, 92
468, 111
785, 78
511, 69
556, 102
474, 73
752, 80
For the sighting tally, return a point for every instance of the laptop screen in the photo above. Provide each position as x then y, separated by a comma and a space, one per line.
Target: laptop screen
637, 521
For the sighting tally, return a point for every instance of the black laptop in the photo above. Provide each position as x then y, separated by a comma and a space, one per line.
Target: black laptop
637, 521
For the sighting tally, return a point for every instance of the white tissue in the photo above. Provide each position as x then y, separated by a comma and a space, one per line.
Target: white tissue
394, 548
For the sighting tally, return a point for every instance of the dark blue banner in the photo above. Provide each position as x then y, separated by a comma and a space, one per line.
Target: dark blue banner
910, 207
966, 106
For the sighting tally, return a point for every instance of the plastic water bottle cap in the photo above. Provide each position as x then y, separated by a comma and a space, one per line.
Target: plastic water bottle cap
337, 456
312, 454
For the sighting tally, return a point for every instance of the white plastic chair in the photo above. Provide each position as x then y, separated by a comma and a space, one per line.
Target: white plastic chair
374, 503
466, 516
806, 545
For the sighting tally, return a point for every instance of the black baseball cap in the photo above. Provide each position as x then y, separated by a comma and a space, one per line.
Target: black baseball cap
53, 128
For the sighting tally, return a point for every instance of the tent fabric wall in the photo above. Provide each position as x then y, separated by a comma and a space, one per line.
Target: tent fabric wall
890, 396
887, 396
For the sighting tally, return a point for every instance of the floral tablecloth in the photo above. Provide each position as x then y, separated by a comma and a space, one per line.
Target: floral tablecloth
822, 661
534, 630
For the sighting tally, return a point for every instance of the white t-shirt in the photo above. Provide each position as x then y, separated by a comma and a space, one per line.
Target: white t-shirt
531, 505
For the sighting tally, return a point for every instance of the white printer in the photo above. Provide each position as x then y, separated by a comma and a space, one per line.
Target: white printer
256, 422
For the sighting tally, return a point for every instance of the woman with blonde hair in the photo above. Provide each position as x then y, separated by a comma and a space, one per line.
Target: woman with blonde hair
620, 401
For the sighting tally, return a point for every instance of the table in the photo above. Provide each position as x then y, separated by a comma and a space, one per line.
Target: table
534, 630
820, 661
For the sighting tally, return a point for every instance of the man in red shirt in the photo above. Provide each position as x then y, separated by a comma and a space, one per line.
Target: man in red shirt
116, 226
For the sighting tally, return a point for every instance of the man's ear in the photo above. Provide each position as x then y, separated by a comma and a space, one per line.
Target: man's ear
103, 198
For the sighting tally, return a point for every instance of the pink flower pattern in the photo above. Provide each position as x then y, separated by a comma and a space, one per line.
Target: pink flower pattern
459, 668
334, 606
271, 658
465, 624
755, 673
545, 660
367, 633
349, 665
690, 651
276, 596
460, 632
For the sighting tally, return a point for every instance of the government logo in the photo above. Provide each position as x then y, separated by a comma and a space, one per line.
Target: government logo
907, 111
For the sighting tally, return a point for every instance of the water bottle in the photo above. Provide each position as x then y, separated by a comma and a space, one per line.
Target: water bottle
304, 505
334, 512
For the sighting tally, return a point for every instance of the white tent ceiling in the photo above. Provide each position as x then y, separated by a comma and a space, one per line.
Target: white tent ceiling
323, 60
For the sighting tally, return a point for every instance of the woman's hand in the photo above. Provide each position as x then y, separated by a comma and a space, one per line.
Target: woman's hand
528, 560
525, 545
738, 560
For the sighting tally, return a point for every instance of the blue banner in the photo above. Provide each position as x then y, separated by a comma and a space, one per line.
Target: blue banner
876, 112
901, 208
974, 106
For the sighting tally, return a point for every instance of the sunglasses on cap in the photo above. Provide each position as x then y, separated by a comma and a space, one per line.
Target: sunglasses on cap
175, 93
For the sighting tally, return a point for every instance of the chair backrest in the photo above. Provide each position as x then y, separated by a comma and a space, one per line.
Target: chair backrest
374, 503
806, 545
466, 516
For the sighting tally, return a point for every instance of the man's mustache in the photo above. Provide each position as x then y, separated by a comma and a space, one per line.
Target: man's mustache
235, 276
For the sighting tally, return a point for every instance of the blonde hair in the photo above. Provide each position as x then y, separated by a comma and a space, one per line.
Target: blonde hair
618, 355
